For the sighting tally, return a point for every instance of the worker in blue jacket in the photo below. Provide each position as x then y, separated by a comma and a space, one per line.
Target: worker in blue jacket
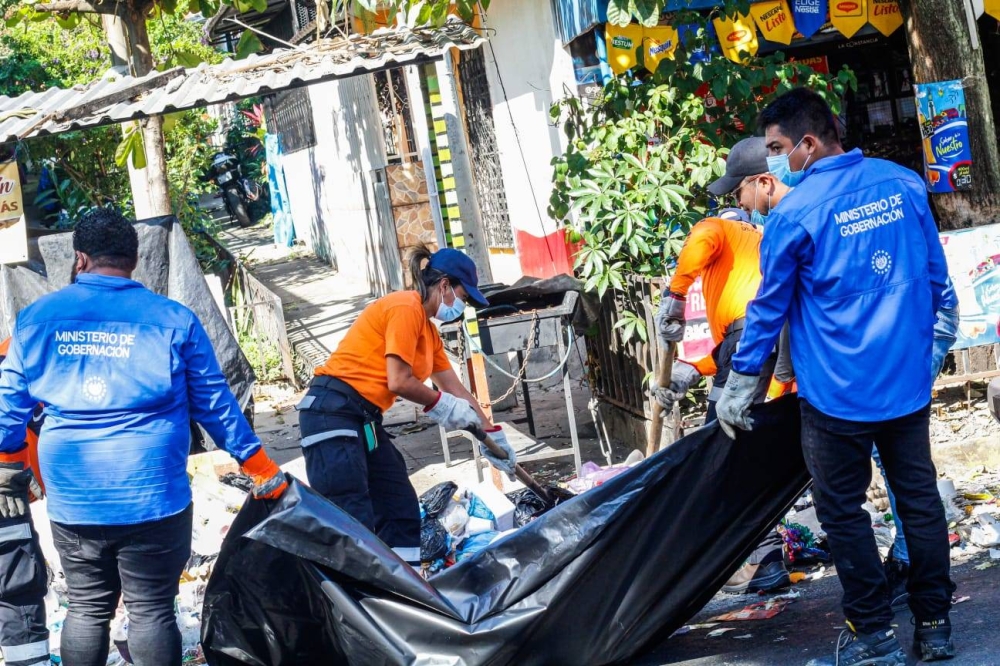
120, 371
852, 260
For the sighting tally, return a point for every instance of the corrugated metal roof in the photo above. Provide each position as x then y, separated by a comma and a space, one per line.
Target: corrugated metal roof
51, 111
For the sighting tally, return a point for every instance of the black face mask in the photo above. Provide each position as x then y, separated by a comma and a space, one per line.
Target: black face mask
73, 273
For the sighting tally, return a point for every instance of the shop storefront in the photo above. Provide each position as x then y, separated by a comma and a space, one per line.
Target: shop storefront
865, 35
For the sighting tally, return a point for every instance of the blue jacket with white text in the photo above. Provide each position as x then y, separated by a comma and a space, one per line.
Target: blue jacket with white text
121, 371
851, 257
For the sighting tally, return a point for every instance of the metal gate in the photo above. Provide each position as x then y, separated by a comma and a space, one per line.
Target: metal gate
483, 150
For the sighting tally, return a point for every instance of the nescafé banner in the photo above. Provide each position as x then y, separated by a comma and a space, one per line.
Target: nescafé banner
944, 129
810, 15
993, 8
974, 266
13, 229
774, 20
885, 16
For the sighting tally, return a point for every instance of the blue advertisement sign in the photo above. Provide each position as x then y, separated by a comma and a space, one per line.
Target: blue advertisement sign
809, 15
944, 128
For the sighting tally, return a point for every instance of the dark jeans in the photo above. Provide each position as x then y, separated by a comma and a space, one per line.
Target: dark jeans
371, 485
838, 455
24, 638
143, 564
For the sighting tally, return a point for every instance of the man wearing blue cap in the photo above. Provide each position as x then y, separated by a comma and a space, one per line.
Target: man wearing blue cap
390, 351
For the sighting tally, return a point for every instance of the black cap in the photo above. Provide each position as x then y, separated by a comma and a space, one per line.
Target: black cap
747, 158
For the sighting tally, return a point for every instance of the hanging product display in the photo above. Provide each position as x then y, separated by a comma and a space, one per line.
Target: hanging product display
623, 43
993, 8
885, 16
809, 15
944, 128
849, 16
658, 43
774, 19
736, 36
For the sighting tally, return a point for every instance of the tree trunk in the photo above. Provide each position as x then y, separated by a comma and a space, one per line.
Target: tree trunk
940, 46
129, 43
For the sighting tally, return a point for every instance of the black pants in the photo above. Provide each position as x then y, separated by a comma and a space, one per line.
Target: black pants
143, 564
24, 639
371, 485
838, 455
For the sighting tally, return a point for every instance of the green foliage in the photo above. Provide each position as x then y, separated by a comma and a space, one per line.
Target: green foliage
176, 40
647, 12
632, 180
417, 12
41, 55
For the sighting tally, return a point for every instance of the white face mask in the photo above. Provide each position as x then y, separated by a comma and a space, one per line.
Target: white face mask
451, 312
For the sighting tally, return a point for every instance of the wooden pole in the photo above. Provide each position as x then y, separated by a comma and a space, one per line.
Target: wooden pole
663, 372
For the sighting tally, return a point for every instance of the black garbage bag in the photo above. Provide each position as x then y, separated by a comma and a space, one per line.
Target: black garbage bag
433, 540
528, 506
600, 579
436, 499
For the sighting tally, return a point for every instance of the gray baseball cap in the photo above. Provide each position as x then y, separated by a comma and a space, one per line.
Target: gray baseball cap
746, 158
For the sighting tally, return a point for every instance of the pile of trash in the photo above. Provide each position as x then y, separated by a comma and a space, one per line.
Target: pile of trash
218, 497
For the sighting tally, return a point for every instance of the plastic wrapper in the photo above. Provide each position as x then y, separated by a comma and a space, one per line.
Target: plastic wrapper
600, 579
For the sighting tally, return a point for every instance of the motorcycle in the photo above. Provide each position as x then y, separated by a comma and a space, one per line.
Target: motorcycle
237, 191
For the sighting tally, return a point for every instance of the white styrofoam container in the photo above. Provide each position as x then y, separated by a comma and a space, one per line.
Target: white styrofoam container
502, 508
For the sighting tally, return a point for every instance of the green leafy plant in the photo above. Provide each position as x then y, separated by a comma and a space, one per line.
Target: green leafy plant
632, 180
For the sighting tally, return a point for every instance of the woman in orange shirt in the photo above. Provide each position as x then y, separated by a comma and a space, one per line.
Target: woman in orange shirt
390, 351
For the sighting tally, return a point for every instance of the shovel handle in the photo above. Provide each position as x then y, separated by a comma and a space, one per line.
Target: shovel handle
522, 474
663, 372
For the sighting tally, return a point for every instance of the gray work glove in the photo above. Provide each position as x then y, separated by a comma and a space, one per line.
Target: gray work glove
945, 334
733, 408
453, 413
670, 319
497, 435
15, 484
682, 377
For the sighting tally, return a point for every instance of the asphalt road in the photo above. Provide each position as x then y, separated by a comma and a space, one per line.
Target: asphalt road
809, 627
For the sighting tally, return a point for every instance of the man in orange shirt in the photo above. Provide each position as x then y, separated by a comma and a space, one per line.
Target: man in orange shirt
725, 252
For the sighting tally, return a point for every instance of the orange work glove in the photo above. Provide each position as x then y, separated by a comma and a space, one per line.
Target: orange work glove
269, 482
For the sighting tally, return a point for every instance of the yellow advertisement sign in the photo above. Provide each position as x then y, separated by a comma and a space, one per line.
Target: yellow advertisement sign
993, 8
623, 42
13, 229
658, 43
885, 16
774, 19
736, 36
848, 16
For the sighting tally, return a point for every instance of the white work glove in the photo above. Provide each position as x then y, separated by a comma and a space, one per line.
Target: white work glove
670, 319
453, 413
733, 408
498, 436
682, 377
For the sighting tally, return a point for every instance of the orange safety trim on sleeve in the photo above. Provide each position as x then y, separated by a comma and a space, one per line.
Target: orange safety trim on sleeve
706, 366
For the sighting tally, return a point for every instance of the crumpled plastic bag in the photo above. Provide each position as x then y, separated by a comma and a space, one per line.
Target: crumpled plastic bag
436, 499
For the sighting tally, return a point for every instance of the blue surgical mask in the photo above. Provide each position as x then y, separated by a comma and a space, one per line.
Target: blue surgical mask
756, 217
781, 168
451, 312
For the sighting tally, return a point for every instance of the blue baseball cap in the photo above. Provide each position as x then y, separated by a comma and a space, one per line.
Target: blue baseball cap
457, 266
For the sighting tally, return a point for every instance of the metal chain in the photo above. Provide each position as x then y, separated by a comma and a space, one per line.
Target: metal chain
524, 366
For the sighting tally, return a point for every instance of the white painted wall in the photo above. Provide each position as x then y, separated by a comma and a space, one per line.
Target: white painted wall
536, 71
329, 185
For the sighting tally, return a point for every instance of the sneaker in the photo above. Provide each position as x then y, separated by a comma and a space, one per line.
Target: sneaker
897, 573
878, 649
932, 639
758, 578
